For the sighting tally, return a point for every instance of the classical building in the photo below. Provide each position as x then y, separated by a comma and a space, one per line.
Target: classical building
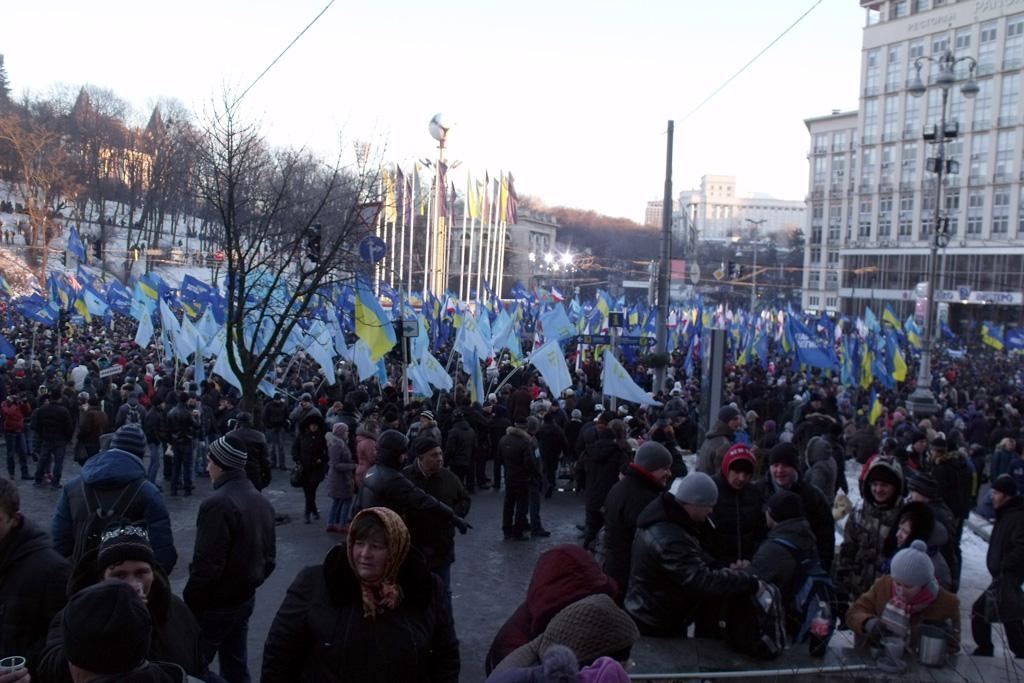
871, 201
654, 212
719, 212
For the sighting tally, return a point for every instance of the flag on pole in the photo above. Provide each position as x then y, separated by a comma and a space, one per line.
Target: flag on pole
875, 408
548, 359
75, 246
615, 381
372, 325
144, 333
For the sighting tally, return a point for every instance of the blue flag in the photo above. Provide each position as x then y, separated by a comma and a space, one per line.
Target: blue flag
75, 245
809, 350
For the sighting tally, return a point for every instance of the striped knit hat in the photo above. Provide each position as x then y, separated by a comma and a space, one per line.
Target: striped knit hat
121, 543
229, 453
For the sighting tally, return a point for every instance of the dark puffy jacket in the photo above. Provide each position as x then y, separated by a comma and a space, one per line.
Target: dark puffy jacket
236, 546
52, 422
104, 477
33, 585
181, 426
320, 634
602, 461
310, 449
956, 482
275, 415
385, 486
154, 425
435, 537
516, 452
552, 442
1005, 559
625, 501
175, 634
739, 519
257, 465
672, 574
778, 563
458, 450
818, 513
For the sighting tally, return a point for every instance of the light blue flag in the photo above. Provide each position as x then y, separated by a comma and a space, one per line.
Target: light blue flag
615, 381
434, 372
267, 388
363, 361
223, 368
548, 359
556, 324
420, 385
382, 373
144, 333
93, 303
421, 342
483, 321
470, 340
207, 325
322, 356
505, 336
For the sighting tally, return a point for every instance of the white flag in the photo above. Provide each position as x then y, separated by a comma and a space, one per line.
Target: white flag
615, 381
551, 363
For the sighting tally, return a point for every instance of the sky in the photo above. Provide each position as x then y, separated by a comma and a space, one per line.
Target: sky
571, 96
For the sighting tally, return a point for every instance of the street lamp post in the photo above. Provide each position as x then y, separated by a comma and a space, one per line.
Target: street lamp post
922, 401
753, 288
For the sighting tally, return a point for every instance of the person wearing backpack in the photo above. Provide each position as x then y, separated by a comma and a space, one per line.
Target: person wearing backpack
785, 553
130, 411
113, 484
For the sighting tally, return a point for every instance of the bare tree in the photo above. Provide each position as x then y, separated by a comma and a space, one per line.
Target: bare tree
289, 224
42, 180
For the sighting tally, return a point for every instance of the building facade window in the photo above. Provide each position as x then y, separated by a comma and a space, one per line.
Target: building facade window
814, 279
872, 71
952, 201
915, 49
838, 169
922, 5
983, 105
987, 48
908, 163
833, 257
815, 254
1001, 211
864, 219
962, 48
839, 141
934, 106
820, 166
900, 9
912, 117
1013, 49
927, 214
867, 167
1005, 155
835, 223
955, 152
1009, 100
890, 119
870, 122
885, 216
888, 166
906, 228
893, 69
820, 143
813, 301
979, 158
940, 43
975, 211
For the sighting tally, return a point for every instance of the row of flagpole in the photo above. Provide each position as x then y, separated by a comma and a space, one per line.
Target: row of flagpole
423, 256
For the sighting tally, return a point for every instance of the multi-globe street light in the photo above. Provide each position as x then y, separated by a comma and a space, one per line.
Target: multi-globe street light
922, 401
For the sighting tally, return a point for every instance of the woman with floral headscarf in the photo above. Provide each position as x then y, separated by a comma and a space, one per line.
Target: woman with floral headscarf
371, 612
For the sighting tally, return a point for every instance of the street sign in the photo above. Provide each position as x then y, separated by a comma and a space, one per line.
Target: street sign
410, 328
694, 272
615, 319
372, 249
636, 341
593, 339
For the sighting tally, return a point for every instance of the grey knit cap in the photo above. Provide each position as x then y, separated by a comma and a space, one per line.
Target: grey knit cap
130, 438
912, 566
697, 488
653, 456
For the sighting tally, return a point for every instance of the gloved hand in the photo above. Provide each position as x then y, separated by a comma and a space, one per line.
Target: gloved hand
874, 629
462, 525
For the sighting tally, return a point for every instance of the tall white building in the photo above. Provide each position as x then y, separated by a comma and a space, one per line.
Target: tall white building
654, 212
871, 201
719, 212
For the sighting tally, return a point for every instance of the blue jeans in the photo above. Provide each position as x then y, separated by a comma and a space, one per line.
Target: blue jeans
16, 446
182, 475
199, 453
341, 511
50, 452
223, 633
275, 445
156, 459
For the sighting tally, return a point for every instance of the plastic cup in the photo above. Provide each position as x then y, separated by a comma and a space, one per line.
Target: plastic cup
9, 665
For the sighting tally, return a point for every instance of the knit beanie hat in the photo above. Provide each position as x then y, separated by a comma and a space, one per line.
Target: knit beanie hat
727, 413
784, 453
1006, 485
738, 457
925, 484
120, 543
912, 566
228, 453
130, 438
697, 488
592, 627
785, 505
106, 628
421, 446
653, 456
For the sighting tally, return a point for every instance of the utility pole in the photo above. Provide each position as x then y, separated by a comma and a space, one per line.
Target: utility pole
663, 265
754, 236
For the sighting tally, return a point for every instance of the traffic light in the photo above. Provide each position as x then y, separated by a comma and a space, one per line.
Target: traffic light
313, 243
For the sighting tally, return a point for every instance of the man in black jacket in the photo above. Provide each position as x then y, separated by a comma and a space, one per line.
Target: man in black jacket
436, 536
674, 579
385, 486
1005, 563
739, 512
235, 552
515, 450
275, 422
459, 449
54, 428
34, 579
646, 477
257, 465
182, 428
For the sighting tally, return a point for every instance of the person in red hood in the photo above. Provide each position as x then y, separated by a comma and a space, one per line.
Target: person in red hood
739, 512
563, 575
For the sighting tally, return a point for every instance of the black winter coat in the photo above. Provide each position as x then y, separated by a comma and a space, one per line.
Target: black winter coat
320, 635
818, 513
739, 519
516, 452
552, 442
602, 462
33, 585
625, 501
956, 482
257, 465
434, 536
310, 450
52, 422
384, 486
1005, 559
236, 545
778, 563
458, 449
673, 576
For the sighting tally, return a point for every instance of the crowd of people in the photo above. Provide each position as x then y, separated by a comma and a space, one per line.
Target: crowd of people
682, 533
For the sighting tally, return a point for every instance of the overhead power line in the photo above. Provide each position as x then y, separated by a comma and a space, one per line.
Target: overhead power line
743, 68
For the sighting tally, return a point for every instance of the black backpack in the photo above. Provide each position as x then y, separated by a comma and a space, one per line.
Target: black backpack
100, 512
813, 587
757, 626
133, 416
